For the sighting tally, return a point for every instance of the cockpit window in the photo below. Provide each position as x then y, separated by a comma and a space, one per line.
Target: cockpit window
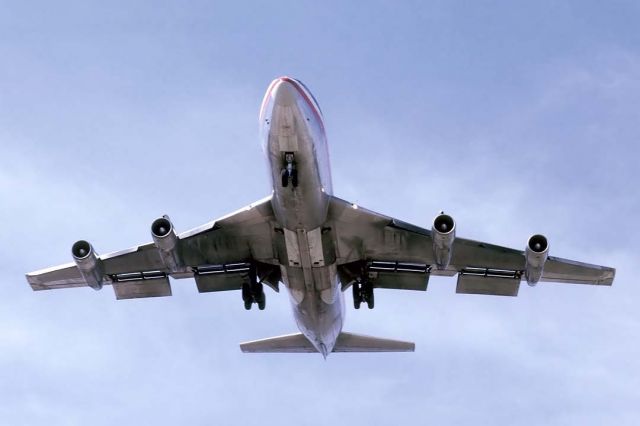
309, 92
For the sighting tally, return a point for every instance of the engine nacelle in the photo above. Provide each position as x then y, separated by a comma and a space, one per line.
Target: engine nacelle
443, 233
165, 238
89, 264
536, 256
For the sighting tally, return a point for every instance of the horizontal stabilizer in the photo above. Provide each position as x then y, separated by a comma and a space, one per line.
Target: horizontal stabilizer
349, 342
291, 343
346, 342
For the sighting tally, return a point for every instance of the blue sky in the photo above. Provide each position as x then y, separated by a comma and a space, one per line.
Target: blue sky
514, 117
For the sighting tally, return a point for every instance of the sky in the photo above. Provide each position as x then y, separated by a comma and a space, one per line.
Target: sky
514, 117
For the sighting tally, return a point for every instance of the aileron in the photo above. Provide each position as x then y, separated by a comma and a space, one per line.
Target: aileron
63, 276
572, 272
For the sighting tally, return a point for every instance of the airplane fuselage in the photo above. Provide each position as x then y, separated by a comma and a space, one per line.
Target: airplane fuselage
295, 143
303, 236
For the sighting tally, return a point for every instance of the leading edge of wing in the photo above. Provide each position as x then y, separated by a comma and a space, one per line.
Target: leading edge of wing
199, 229
411, 243
143, 257
342, 209
263, 205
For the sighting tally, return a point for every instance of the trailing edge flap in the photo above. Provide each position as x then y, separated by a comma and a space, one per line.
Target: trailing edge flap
346, 342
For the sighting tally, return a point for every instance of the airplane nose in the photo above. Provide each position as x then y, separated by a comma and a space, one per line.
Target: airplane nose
285, 94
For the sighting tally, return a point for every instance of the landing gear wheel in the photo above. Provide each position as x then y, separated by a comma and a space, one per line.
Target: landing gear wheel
246, 292
289, 170
370, 300
253, 291
367, 294
357, 295
257, 289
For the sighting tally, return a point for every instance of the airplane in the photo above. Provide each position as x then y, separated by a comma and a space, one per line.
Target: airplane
315, 244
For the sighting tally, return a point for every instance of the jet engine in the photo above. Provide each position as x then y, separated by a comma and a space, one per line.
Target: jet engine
89, 264
443, 233
165, 238
536, 256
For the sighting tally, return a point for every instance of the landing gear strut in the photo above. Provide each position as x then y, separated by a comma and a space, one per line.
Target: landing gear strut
289, 172
363, 292
253, 291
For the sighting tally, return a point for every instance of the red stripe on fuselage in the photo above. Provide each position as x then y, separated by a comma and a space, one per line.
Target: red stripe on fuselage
267, 95
300, 90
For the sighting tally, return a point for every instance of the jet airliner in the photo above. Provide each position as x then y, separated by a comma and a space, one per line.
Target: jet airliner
314, 244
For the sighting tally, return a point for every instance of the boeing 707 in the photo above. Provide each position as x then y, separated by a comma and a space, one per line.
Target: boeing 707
314, 244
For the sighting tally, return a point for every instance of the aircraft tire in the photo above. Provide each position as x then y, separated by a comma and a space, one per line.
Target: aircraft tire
357, 295
246, 292
368, 294
247, 304
370, 300
262, 301
294, 178
285, 178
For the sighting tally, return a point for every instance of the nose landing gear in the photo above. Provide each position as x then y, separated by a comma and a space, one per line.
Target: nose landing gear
289, 172
363, 292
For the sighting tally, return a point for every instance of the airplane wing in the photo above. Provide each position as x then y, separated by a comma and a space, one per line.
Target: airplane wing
218, 255
399, 255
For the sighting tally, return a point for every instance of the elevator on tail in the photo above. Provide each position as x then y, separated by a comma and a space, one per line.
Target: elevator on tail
315, 244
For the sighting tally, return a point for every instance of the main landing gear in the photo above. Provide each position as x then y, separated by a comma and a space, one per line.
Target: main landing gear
253, 292
363, 292
289, 173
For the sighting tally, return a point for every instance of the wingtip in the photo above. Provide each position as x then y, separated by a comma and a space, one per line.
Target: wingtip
34, 282
609, 276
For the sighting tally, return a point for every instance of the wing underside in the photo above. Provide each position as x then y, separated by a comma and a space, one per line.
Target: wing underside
218, 255
399, 255
393, 254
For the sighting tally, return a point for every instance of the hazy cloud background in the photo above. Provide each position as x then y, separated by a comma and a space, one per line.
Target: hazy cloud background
515, 118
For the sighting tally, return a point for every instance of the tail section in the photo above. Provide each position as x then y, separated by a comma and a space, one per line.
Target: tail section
346, 342
349, 342
291, 343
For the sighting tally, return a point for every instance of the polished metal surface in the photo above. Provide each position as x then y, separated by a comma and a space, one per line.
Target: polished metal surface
88, 263
165, 238
444, 233
536, 253
316, 244
346, 342
293, 126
